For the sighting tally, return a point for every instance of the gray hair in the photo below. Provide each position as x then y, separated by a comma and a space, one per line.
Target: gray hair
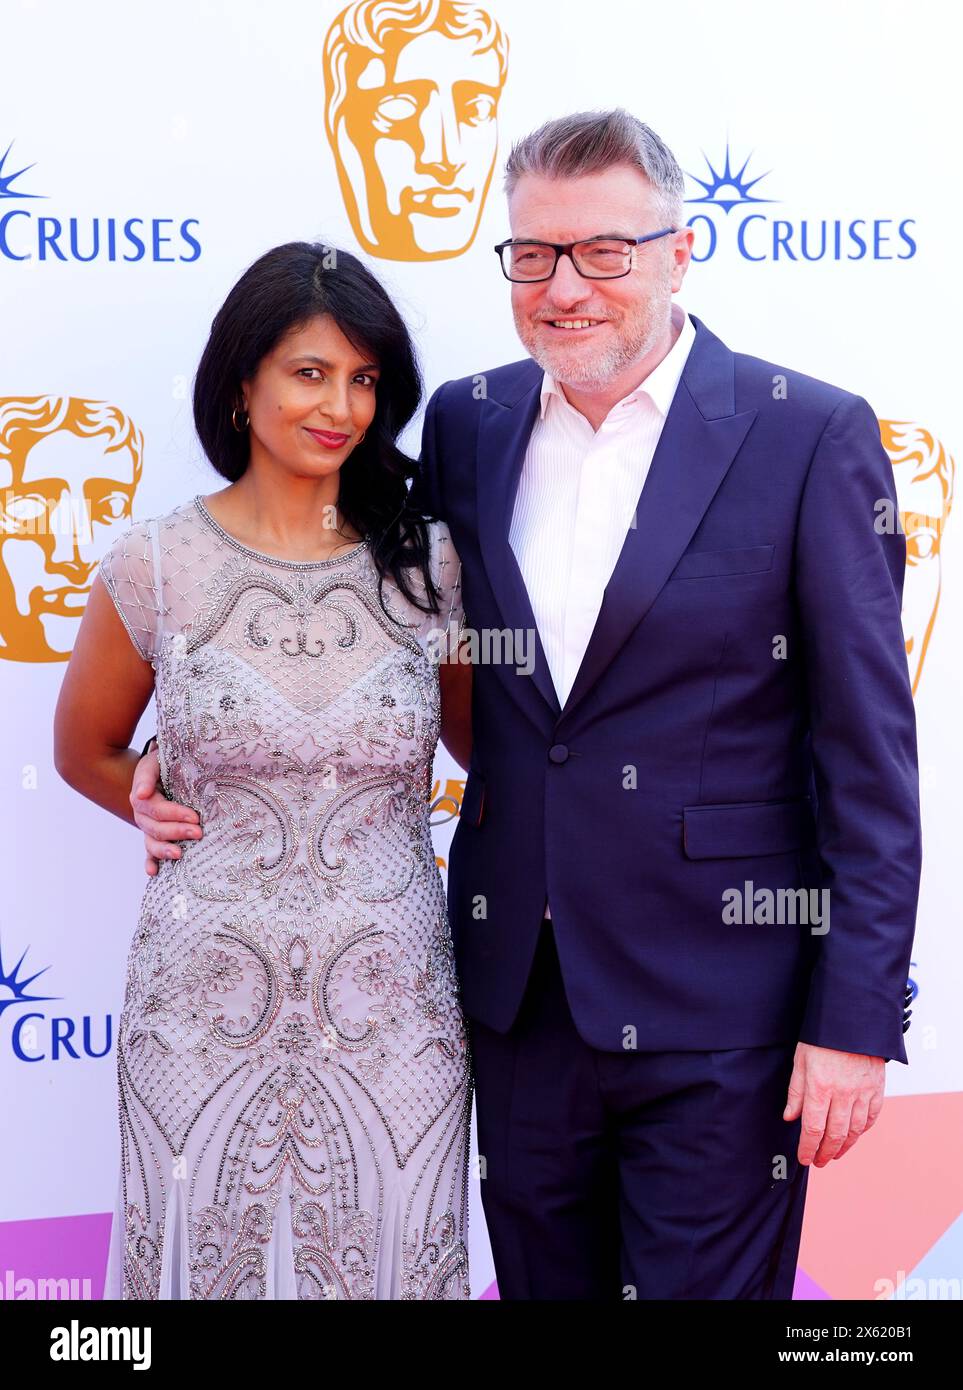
590, 141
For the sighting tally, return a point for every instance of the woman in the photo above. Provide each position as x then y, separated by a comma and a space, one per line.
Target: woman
294, 1079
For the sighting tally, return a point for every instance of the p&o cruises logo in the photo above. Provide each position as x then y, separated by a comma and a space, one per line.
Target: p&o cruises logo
763, 236
27, 234
35, 1035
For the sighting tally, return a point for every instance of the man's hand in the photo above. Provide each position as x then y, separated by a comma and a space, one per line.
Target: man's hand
161, 820
838, 1094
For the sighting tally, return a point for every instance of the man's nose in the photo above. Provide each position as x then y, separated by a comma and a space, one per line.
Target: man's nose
566, 286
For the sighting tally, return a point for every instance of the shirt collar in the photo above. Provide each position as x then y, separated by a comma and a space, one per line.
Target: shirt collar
659, 385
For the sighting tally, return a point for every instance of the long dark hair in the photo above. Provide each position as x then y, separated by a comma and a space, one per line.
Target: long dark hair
278, 293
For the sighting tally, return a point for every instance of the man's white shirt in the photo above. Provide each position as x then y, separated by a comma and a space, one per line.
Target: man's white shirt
576, 501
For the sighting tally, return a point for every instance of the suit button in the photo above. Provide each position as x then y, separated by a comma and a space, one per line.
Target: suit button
558, 753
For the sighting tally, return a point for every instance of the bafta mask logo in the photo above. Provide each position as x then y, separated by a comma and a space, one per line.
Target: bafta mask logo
412, 90
69, 469
924, 474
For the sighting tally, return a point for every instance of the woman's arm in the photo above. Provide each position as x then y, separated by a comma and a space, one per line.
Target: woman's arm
455, 679
105, 690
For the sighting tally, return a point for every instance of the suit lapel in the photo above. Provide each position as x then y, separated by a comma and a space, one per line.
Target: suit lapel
699, 441
503, 433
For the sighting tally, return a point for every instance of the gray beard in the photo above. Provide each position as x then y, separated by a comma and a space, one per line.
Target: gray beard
600, 370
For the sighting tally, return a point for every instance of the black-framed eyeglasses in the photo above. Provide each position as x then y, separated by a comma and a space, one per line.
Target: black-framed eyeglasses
597, 257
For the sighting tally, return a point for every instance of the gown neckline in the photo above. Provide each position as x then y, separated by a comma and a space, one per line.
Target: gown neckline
262, 554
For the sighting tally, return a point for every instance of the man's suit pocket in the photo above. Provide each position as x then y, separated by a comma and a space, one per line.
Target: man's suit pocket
737, 829
473, 801
713, 564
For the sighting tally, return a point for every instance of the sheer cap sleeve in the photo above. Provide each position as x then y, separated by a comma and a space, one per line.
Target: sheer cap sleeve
130, 569
446, 625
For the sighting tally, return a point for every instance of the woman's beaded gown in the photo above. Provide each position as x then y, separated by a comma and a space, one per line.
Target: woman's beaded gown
293, 1071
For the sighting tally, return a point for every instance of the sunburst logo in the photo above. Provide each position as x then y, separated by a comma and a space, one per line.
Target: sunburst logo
6, 180
728, 188
13, 989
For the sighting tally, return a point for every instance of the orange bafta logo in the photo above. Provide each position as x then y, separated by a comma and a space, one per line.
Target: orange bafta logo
412, 91
69, 469
924, 473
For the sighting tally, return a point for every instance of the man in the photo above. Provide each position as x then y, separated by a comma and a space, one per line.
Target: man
719, 714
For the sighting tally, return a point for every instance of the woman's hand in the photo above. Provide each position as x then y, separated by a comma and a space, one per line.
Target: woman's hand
162, 821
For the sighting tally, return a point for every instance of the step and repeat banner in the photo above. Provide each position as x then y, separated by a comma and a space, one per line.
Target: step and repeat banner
149, 154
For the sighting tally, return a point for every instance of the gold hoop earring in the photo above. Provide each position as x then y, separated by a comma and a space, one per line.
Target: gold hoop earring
361, 437
247, 419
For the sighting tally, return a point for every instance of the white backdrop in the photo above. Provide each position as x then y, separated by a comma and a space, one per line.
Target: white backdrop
212, 114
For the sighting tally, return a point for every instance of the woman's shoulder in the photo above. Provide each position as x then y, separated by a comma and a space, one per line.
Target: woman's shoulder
132, 552
441, 548
185, 516
439, 560
445, 568
184, 513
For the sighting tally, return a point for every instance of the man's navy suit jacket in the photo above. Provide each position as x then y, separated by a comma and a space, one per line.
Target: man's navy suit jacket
742, 715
